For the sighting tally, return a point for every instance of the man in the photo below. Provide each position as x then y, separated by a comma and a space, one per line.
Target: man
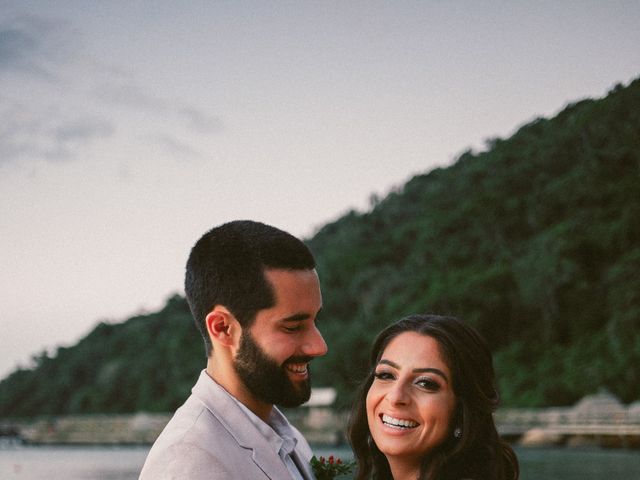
255, 295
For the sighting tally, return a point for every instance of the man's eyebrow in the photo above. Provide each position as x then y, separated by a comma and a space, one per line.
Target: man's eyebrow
437, 371
296, 317
299, 317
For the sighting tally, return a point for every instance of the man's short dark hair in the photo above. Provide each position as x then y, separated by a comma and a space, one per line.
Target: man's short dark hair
226, 267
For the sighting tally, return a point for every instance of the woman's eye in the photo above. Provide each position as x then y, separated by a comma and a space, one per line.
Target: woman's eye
428, 384
383, 376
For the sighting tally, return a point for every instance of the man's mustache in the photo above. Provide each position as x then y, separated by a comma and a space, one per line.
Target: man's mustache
298, 359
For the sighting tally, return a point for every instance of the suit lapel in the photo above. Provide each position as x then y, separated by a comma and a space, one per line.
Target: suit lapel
303, 466
226, 409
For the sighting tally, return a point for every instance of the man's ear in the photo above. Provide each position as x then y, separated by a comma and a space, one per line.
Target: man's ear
221, 326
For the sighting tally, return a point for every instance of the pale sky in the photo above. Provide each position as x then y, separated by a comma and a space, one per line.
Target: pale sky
129, 128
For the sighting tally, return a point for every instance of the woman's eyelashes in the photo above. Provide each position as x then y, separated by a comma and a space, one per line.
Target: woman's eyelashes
384, 375
424, 383
428, 384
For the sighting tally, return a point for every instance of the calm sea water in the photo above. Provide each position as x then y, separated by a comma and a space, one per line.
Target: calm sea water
124, 463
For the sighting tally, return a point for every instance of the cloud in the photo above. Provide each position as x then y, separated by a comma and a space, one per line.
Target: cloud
34, 46
132, 96
15, 46
176, 148
53, 97
26, 134
35, 56
199, 121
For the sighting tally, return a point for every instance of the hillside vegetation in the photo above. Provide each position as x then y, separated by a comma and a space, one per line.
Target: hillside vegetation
535, 241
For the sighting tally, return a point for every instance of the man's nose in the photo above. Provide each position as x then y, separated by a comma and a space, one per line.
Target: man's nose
314, 345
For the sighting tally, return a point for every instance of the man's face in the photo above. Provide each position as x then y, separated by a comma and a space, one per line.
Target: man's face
274, 354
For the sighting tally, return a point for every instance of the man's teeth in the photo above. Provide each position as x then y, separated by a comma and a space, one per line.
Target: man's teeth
298, 368
396, 422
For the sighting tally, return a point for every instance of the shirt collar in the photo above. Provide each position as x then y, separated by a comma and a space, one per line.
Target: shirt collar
277, 430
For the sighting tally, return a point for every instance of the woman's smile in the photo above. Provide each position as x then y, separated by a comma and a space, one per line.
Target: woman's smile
397, 422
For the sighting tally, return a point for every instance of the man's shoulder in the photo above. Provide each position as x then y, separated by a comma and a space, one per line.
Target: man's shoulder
192, 445
193, 422
182, 460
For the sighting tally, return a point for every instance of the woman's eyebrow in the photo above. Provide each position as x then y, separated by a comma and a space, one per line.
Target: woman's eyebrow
390, 363
436, 371
431, 370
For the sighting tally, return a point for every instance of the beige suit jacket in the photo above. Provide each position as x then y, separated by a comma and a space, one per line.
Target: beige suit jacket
211, 437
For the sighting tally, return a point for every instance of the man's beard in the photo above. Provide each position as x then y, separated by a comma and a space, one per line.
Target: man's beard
267, 380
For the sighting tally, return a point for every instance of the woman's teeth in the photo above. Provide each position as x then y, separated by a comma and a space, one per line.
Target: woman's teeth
396, 422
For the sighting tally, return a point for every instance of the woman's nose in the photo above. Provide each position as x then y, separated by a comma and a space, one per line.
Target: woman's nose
398, 395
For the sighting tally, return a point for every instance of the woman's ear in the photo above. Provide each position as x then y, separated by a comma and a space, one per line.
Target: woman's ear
221, 325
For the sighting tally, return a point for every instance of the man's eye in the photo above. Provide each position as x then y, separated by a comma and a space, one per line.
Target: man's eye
292, 329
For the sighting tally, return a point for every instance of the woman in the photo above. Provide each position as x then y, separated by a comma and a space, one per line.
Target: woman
425, 410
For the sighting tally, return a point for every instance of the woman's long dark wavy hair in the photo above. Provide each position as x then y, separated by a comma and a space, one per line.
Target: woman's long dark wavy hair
480, 453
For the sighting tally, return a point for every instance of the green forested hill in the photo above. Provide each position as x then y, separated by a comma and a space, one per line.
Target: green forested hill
149, 362
536, 241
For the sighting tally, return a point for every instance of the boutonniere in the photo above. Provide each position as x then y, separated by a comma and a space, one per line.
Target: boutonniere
330, 468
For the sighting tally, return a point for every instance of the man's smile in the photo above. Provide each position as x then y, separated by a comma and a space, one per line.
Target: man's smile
297, 368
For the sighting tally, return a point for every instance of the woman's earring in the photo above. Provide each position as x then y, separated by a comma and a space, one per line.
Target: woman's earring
457, 433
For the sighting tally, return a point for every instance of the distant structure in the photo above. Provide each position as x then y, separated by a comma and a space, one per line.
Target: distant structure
103, 429
597, 420
318, 420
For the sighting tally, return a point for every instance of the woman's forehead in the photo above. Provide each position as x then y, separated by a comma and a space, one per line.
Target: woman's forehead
412, 348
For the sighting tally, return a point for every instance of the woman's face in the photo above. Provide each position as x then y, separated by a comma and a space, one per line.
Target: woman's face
410, 405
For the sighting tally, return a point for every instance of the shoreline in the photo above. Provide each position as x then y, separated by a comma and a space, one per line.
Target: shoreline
598, 420
142, 429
